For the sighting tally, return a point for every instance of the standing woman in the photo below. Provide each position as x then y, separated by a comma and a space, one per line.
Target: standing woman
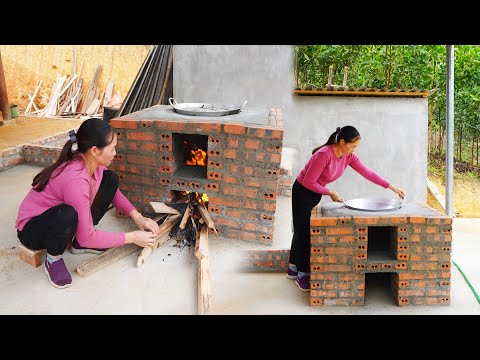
69, 197
328, 163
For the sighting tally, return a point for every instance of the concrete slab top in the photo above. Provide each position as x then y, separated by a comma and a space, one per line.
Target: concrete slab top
255, 116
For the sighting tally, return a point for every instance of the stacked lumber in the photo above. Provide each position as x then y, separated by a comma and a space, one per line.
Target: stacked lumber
67, 93
153, 84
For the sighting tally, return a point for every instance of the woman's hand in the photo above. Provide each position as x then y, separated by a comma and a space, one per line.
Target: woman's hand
397, 190
140, 237
335, 197
144, 223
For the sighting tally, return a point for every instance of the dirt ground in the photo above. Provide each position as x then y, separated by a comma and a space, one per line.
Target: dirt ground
466, 194
466, 189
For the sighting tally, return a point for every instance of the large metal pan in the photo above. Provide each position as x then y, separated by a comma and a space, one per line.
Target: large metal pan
204, 109
372, 204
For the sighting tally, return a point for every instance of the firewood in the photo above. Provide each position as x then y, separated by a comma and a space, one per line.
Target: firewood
201, 245
206, 216
186, 215
162, 208
163, 236
204, 295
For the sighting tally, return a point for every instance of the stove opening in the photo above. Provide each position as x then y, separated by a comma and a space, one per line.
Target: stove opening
190, 155
380, 288
382, 243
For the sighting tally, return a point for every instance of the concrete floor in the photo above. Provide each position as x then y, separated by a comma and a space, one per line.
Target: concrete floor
167, 282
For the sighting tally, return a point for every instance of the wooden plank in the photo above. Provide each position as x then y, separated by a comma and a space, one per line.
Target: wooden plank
108, 92
204, 294
438, 196
201, 243
106, 258
363, 93
186, 215
206, 216
162, 208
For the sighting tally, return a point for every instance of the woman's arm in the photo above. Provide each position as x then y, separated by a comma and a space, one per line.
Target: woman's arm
357, 165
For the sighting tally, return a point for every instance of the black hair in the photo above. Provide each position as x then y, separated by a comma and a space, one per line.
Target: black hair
92, 132
347, 133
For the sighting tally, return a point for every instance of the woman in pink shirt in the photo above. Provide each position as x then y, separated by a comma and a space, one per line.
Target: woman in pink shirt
328, 163
69, 197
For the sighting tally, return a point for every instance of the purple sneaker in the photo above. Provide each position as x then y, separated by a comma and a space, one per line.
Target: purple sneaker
303, 283
77, 249
291, 274
58, 274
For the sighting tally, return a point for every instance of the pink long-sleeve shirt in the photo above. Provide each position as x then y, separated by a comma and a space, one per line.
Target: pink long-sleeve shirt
75, 187
324, 167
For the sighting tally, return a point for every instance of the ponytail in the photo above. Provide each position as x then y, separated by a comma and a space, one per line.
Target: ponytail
41, 179
348, 133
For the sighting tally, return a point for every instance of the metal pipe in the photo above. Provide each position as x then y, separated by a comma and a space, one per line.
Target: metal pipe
450, 129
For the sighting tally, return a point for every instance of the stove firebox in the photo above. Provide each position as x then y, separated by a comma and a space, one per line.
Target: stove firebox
234, 159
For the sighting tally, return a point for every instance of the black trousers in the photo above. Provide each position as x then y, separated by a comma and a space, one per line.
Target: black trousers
56, 227
303, 202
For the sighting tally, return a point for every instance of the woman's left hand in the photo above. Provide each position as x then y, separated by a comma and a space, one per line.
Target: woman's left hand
145, 223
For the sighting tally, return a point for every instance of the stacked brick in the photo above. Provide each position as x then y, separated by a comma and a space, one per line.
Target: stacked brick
243, 163
419, 265
42, 152
264, 260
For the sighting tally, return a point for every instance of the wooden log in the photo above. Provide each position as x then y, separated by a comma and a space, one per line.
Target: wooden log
162, 208
105, 259
204, 295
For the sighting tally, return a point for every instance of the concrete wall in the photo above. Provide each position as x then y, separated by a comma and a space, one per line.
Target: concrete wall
394, 130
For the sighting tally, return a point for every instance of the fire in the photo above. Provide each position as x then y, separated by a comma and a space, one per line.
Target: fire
199, 197
196, 156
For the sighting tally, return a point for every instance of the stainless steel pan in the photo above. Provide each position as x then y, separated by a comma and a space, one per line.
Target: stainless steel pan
204, 109
372, 204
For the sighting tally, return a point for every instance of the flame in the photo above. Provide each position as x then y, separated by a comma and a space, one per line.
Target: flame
196, 156
201, 198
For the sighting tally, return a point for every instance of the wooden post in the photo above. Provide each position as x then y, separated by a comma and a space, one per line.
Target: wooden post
4, 104
345, 75
330, 75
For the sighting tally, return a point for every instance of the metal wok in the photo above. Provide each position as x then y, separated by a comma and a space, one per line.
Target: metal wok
204, 109
372, 204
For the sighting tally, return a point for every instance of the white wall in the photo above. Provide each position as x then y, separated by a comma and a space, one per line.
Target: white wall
394, 130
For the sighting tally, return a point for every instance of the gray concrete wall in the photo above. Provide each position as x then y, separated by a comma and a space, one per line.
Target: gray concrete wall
394, 130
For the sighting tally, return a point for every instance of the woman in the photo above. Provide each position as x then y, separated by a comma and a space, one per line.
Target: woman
327, 164
71, 196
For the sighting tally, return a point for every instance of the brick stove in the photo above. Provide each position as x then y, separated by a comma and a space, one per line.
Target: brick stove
410, 247
241, 172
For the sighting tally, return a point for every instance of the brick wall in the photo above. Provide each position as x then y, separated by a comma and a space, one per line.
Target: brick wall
242, 171
418, 250
41, 152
